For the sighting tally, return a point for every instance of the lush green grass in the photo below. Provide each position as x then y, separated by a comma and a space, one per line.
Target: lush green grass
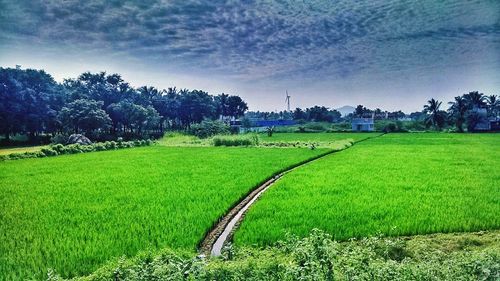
20, 149
72, 213
396, 184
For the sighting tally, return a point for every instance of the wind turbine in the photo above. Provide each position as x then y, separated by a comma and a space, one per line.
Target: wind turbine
287, 101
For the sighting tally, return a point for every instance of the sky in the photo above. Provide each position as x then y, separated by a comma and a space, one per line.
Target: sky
387, 54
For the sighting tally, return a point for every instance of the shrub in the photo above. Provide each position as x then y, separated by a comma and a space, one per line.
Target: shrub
246, 140
99, 146
58, 149
49, 151
209, 128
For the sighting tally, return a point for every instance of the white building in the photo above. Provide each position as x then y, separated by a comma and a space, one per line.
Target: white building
362, 125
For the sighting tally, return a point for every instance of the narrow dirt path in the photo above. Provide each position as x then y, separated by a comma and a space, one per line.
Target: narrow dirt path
222, 232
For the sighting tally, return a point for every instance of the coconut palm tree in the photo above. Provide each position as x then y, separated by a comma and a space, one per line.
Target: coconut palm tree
475, 99
458, 111
493, 105
435, 115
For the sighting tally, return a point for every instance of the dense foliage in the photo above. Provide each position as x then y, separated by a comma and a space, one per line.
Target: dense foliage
474, 256
102, 106
396, 184
76, 212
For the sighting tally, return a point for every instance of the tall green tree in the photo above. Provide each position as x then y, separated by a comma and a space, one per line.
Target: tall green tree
475, 100
30, 100
84, 115
493, 105
435, 116
236, 106
458, 111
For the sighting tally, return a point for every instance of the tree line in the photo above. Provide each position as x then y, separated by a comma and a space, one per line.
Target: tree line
468, 109
102, 106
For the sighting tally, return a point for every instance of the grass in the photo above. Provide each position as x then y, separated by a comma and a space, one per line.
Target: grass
315, 137
73, 213
397, 184
20, 149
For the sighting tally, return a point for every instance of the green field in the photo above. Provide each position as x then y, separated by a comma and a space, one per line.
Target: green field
396, 184
73, 213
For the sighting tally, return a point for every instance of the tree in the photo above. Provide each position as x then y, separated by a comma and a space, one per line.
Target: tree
475, 100
458, 111
435, 117
360, 110
30, 100
147, 96
100, 87
194, 106
85, 115
299, 114
236, 106
493, 105
222, 105
232, 106
318, 114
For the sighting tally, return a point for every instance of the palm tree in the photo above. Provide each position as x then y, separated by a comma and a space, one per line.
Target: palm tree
475, 99
493, 105
457, 111
435, 117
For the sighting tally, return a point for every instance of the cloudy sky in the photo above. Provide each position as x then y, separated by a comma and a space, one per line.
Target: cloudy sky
387, 54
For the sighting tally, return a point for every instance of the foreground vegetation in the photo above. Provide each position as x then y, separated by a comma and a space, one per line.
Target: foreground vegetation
396, 184
72, 213
473, 256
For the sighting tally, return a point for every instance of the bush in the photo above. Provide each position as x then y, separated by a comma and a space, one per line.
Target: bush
100, 146
59, 149
209, 128
246, 140
48, 151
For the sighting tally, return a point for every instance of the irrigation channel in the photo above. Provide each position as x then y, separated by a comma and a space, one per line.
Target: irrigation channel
223, 230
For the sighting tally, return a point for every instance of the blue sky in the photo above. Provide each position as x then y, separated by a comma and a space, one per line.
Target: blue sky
387, 54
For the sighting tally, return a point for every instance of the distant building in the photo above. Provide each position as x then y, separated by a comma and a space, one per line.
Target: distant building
495, 124
362, 125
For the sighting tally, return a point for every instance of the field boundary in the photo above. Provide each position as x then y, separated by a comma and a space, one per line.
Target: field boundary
223, 230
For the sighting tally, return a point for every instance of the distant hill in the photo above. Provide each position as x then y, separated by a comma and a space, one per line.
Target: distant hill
346, 109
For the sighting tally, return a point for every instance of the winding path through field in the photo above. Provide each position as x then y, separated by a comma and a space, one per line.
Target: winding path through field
222, 232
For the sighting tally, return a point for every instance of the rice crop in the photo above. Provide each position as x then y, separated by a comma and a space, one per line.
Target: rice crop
72, 213
396, 184
315, 137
